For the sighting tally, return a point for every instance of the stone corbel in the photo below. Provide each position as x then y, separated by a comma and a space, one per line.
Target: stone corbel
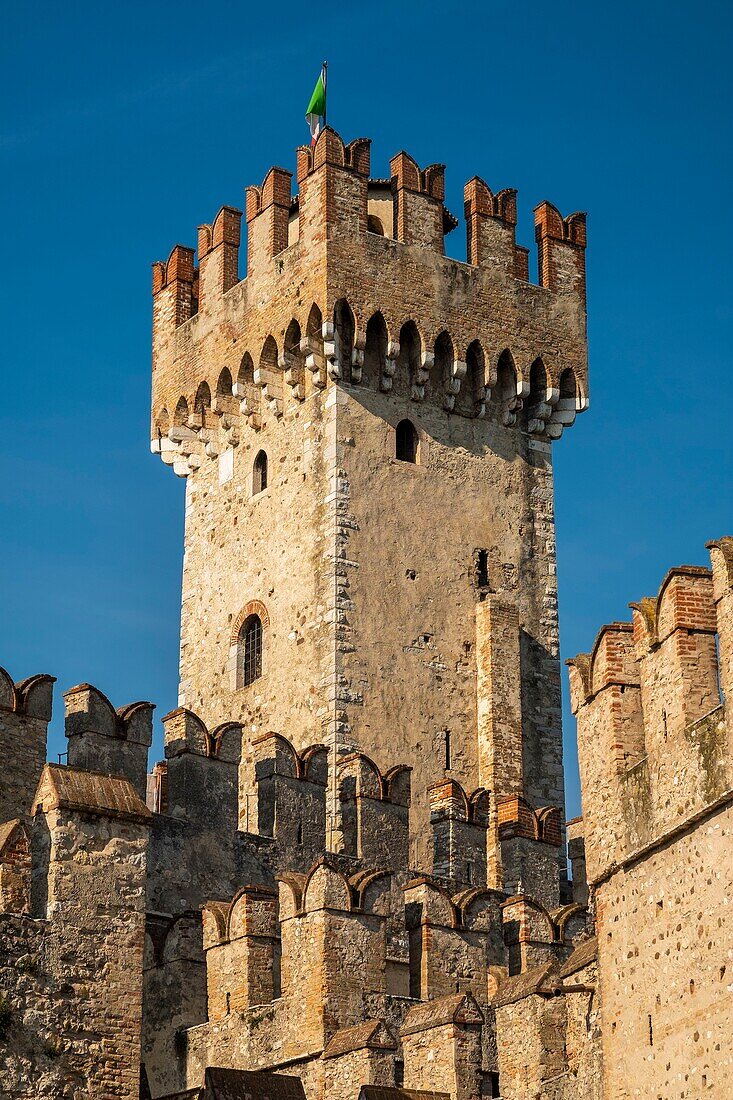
292, 375
514, 404
540, 414
390, 366
427, 361
357, 358
314, 361
330, 351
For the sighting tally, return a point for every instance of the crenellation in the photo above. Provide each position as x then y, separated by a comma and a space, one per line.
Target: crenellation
101, 738
348, 876
25, 711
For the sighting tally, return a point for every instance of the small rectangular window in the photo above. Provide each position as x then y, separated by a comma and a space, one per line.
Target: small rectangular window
482, 568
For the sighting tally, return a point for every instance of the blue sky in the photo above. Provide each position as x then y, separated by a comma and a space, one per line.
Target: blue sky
125, 126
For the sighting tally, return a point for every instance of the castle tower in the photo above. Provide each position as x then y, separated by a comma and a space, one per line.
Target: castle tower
365, 427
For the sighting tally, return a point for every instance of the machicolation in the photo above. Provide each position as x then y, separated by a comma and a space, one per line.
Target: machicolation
347, 880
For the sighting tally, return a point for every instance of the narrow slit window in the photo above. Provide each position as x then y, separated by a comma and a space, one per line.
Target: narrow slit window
259, 473
446, 735
251, 650
482, 568
406, 442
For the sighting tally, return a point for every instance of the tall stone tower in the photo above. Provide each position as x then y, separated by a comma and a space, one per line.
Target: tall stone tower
365, 427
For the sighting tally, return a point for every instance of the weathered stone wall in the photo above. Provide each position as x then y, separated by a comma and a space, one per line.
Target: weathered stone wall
25, 711
665, 931
314, 358
657, 781
73, 977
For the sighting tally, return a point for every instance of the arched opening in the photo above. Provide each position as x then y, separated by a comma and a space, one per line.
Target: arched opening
162, 423
408, 361
315, 322
259, 473
180, 417
245, 390
343, 323
374, 225
471, 396
568, 385
224, 401
295, 371
504, 396
202, 403
536, 409
537, 382
270, 376
224, 383
442, 370
314, 339
268, 355
375, 352
407, 441
250, 645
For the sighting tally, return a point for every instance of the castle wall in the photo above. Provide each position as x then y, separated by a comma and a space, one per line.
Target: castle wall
491, 371
72, 977
25, 711
268, 548
664, 944
412, 596
657, 783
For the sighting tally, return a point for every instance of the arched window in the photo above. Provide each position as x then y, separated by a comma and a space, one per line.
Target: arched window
251, 650
343, 321
259, 473
408, 361
202, 403
374, 225
406, 441
375, 352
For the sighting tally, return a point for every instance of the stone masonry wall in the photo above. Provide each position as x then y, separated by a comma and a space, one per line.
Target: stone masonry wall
363, 568
657, 784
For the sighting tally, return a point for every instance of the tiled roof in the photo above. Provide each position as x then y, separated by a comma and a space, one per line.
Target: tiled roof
585, 953
90, 792
242, 1084
369, 1033
385, 1092
540, 979
459, 1008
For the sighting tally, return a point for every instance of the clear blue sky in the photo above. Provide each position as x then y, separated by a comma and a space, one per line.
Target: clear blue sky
124, 126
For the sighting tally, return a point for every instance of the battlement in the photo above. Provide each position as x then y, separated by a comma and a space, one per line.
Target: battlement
345, 935
654, 732
308, 935
336, 271
25, 711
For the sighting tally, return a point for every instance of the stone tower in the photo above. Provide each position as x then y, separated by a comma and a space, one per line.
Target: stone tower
365, 427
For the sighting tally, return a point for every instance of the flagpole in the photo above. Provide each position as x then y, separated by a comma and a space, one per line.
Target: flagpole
325, 90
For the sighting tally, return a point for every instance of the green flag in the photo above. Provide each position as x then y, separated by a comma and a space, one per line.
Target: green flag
315, 116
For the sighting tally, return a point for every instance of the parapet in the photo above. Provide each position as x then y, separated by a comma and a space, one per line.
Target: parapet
534, 934
374, 811
654, 735
459, 824
202, 772
15, 867
104, 739
32, 697
313, 261
25, 711
441, 1043
530, 840
291, 798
